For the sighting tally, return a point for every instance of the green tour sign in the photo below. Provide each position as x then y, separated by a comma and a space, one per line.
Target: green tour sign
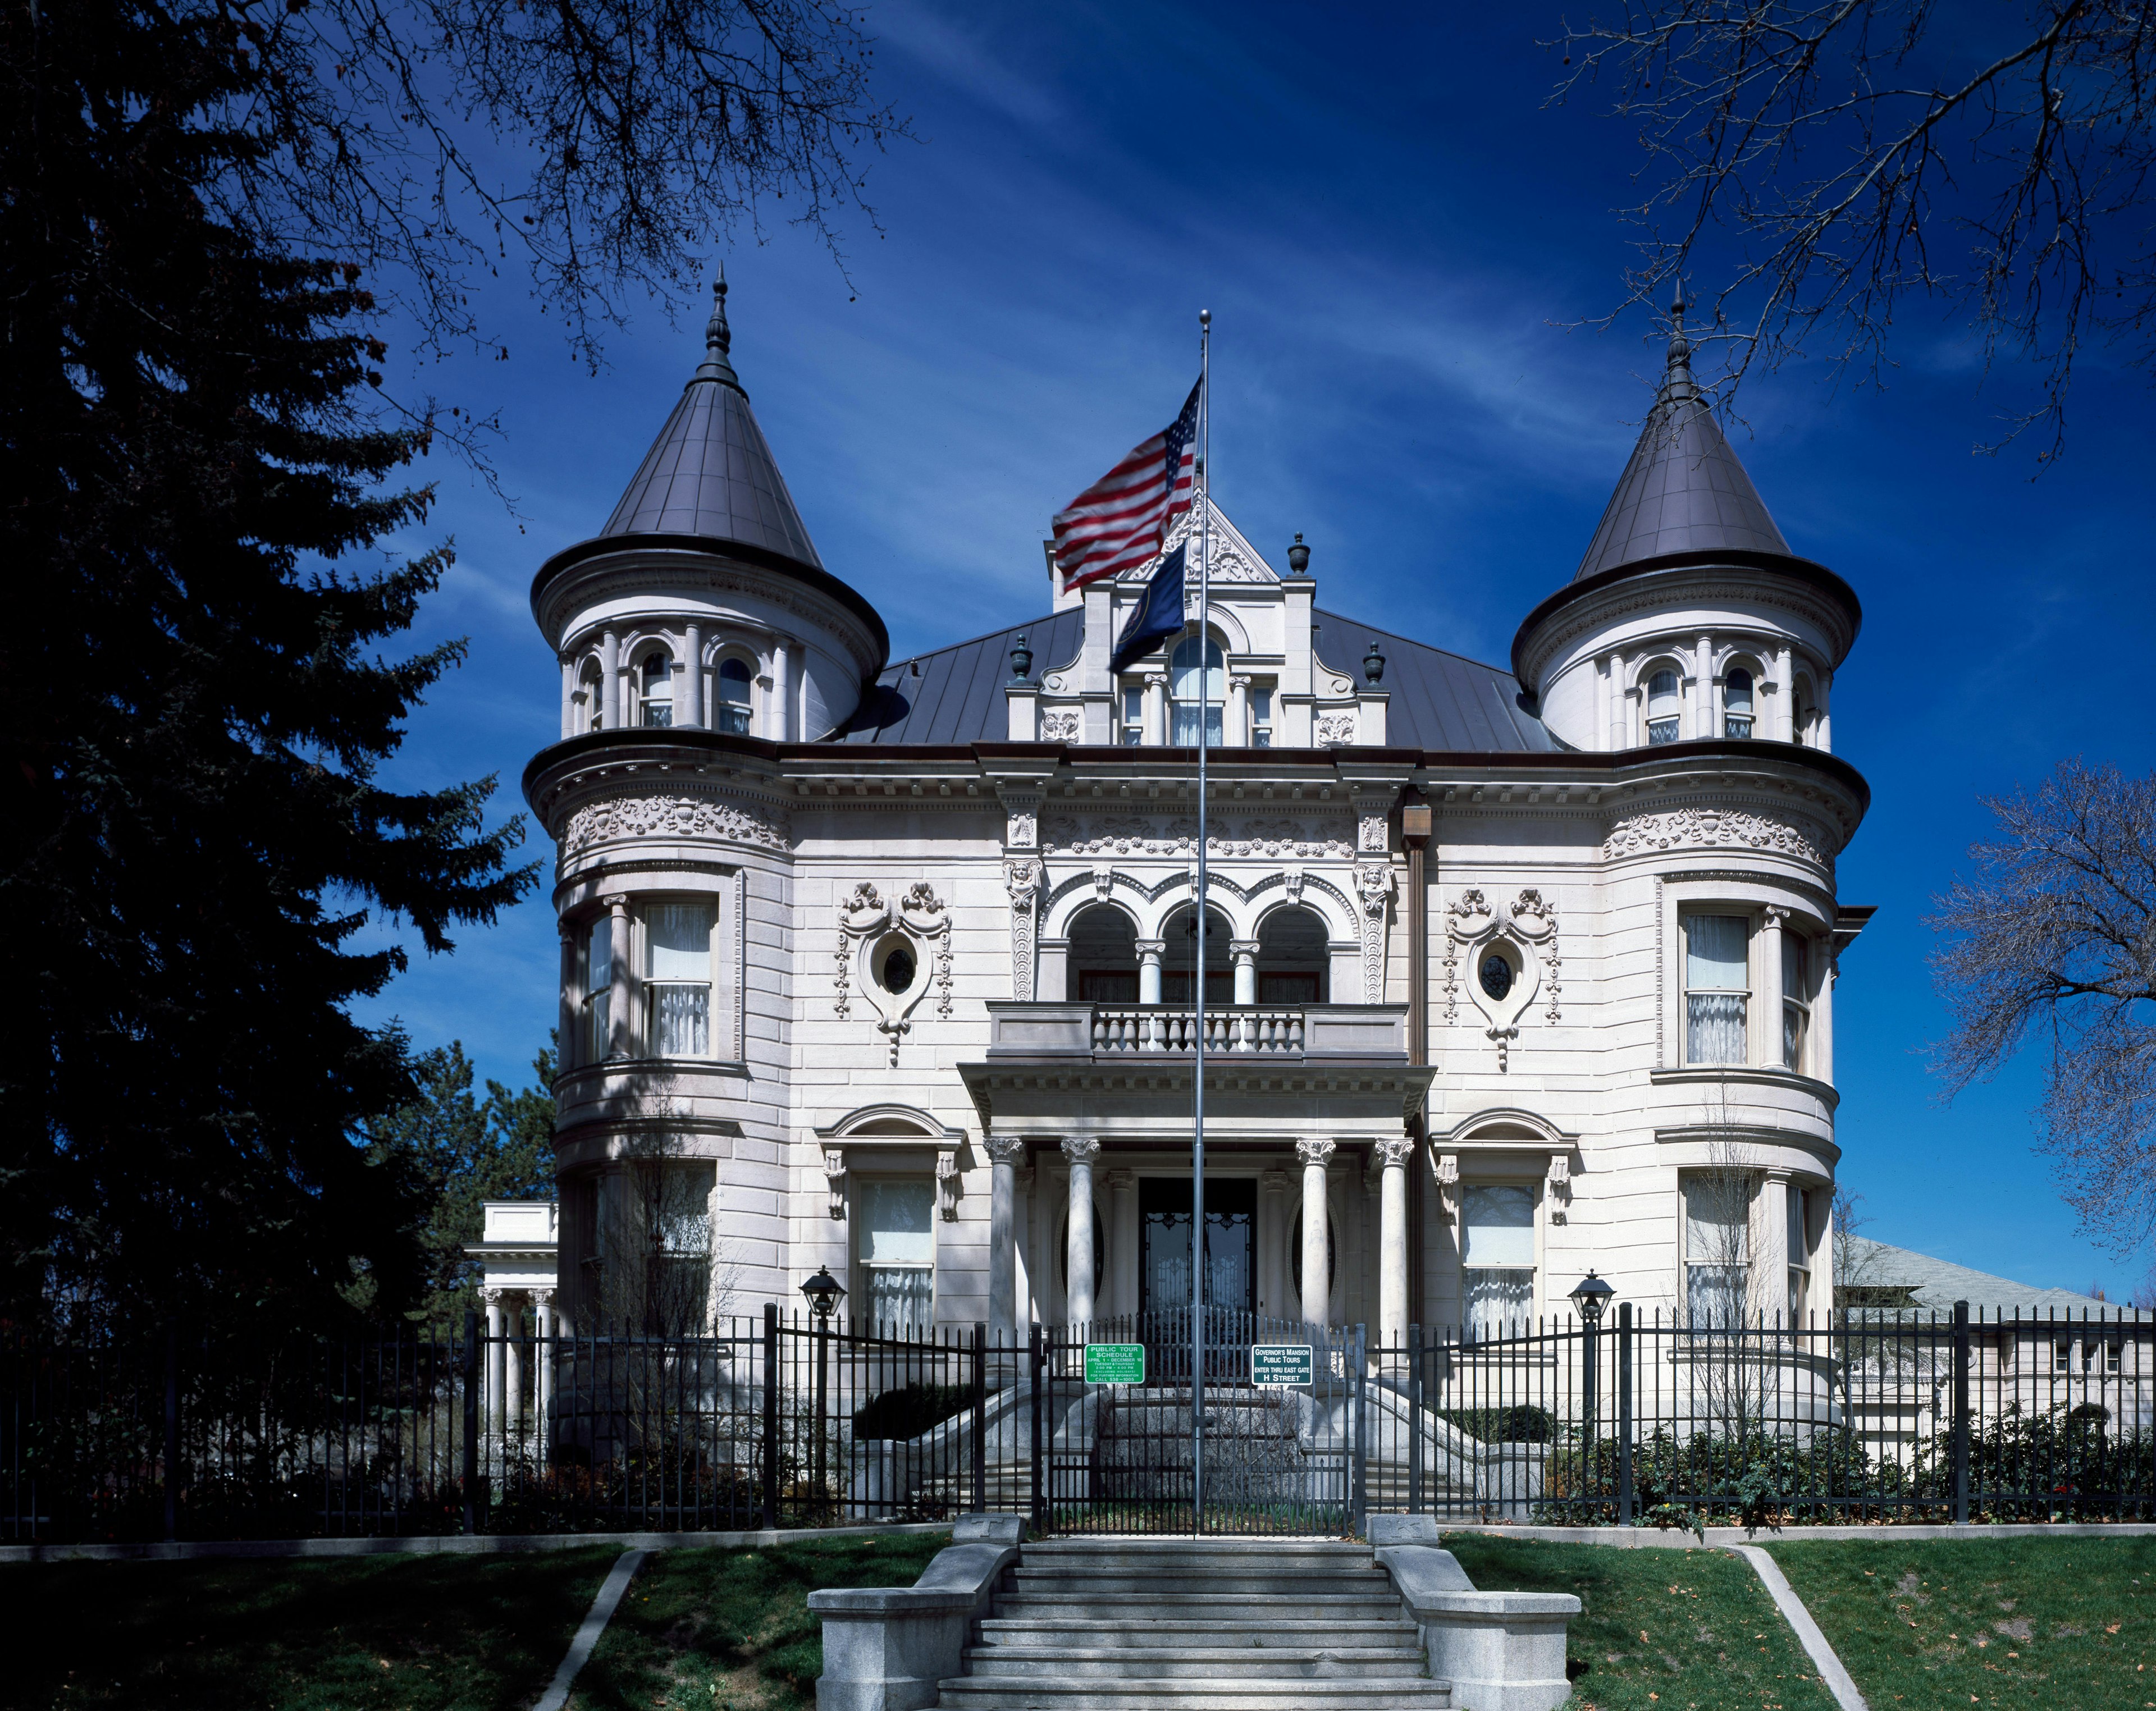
1115, 1363
1278, 1364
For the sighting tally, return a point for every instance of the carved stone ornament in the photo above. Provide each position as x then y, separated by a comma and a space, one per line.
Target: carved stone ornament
672, 816
1558, 1186
1374, 886
1444, 1167
946, 1183
1022, 883
1315, 1152
1062, 726
1144, 834
1524, 938
1292, 884
834, 1175
1005, 1149
1395, 1149
1534, 922
864, 918
1719, 829
1335, 730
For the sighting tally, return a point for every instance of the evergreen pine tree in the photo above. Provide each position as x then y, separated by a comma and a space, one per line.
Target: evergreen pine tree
194, 831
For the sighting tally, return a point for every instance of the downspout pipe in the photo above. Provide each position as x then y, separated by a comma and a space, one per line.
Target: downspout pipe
1415, 825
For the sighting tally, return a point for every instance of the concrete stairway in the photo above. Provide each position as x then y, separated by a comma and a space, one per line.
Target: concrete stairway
1196, 1625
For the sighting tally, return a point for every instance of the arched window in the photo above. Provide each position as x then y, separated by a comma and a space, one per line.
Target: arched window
1291, 958
1737, 703
734, 684
1804, 714
1193, 691
591, 707
1103, 958
1178, 983
1663, 708
655, 689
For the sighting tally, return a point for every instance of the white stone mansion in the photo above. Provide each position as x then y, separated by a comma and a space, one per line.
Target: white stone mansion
887, 967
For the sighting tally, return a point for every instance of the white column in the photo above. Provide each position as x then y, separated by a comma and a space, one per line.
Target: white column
1770, 1248
689, 703
1820, 720
1004, 1151
565, 1017
1244, 952
490, 1384
610, 681
512, 1374
1703, 722
1316, 1267
1822, 1054
1236, 734
1785, 695
1079, 1293
568, 698
1273, 1228
1123, 1290
1766, 989
1393, 1154
782, 690
619, 1035
1602, 733
1156, 708
542, 1363
1150, 952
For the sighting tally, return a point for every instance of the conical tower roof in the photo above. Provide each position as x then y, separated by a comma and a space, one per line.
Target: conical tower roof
1684, 490
710, 473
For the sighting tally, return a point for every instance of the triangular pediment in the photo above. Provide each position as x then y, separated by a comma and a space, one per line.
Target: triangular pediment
1233, 558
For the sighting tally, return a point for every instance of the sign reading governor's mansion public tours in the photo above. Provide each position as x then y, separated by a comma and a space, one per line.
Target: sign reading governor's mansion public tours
889, 967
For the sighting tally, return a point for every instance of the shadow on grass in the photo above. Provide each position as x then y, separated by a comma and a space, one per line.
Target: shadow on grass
1658, 1630
415, 1633
729, 1630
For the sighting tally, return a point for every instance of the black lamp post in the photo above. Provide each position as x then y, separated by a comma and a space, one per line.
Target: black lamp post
822, 1292
1590, 1295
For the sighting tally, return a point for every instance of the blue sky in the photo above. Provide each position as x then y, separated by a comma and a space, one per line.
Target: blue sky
1394, 234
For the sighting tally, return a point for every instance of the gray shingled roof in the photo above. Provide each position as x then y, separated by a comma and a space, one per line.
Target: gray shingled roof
1438, 699
1683, 491
1939, 1283
710, 474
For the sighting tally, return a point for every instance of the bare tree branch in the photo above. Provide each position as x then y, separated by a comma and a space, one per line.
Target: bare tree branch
2054, 939
1827, 160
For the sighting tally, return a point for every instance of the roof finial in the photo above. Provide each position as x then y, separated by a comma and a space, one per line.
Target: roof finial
718, 338
1677, 384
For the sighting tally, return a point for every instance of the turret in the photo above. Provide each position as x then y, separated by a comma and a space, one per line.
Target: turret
702, 602
1689, 618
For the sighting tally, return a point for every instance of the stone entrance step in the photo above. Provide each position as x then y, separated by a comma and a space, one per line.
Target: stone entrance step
1197, 1625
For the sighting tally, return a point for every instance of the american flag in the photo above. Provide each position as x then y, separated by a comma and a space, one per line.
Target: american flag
1121, 520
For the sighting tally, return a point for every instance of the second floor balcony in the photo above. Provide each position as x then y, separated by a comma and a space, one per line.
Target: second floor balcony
1372, 1033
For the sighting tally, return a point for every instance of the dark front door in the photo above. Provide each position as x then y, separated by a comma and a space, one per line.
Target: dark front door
1230, 1246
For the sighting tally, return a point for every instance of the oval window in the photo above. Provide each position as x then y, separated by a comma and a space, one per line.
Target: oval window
1497, 976
898, 968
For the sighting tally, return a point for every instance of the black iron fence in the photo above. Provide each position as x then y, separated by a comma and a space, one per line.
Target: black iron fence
779, 1421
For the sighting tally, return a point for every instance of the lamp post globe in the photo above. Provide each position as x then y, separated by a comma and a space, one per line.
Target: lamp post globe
1590, 1295
822, 1292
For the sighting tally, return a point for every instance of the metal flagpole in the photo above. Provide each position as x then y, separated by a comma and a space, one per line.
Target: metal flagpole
1198, 1108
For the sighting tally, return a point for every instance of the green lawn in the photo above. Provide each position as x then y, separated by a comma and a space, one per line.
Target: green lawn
381, 1633
1658, 1630
2049, 1622
729, 1630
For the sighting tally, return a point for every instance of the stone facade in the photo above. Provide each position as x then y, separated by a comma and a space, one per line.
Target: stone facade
863, 964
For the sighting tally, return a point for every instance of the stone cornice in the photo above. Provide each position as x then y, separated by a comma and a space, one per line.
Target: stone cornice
1795, 584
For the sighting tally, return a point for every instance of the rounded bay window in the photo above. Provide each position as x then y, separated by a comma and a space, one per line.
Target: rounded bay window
1665, 706
1737, 703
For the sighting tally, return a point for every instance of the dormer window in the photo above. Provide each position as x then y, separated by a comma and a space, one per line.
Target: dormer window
734, 686
1196, 693
1737, 703
1663, 709
655, 690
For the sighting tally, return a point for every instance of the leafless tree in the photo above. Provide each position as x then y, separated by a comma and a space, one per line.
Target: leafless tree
1822, 162
1856, 1260
2055, 938
601, 147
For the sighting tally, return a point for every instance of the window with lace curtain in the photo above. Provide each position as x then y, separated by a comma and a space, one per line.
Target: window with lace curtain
1800, 1256
895, 1222
1664, 712
677, 939
655, 690
1717, 1249
734, 682
1197, 692
1737, 703
1497, 1260
1796, 997
598, 989
1718, 987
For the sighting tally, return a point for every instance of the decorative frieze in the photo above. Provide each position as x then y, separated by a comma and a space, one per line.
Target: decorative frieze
1022, 877
1176, 835
1719, 829
700, 817
1374, 886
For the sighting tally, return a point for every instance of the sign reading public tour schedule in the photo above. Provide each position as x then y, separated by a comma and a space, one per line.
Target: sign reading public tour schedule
1115, 1363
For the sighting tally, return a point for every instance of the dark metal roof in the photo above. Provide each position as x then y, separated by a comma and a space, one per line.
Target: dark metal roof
710, 474
1440, 701
1684, 490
